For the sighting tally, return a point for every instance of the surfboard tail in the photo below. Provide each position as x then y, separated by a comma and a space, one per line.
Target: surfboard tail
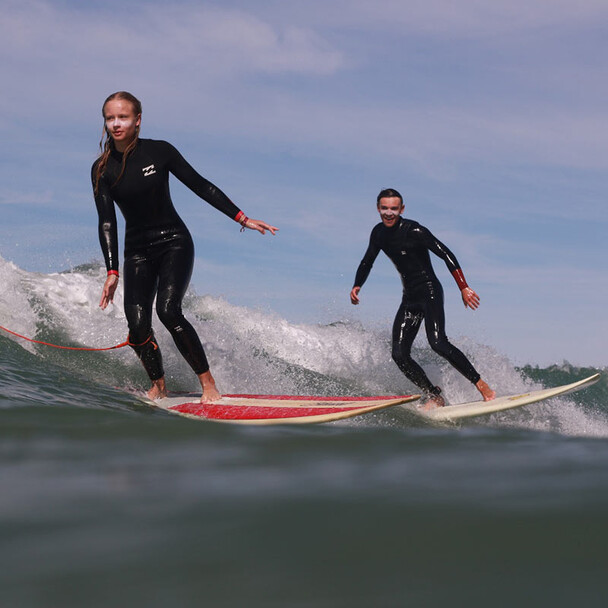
483, 408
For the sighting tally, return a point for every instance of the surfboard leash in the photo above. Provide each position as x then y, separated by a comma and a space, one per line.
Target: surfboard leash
121, 345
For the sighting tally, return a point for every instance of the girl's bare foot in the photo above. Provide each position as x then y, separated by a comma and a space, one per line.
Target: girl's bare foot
210, 392
486, 392
158, 390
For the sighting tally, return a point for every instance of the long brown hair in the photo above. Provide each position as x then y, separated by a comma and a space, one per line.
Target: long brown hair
105, 144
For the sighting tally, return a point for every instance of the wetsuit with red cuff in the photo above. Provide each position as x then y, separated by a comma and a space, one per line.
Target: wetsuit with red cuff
407, 244
159, 252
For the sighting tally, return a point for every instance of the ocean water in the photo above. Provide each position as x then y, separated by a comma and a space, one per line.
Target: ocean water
105, 501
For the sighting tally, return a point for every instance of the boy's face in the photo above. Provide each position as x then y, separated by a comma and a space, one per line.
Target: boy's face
390, 208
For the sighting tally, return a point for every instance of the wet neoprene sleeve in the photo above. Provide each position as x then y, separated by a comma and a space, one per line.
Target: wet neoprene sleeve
407, 244
142, 194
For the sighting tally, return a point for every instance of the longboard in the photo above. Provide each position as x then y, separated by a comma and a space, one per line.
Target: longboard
482, 408
277, 409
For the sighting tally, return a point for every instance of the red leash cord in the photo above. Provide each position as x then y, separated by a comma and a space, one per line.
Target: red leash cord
127, 343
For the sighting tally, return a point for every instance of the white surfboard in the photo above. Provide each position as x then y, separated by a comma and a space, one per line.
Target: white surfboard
483, 408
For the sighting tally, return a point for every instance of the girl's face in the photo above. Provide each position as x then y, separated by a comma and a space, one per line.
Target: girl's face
121, 122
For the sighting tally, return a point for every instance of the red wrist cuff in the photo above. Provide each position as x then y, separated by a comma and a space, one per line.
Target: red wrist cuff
459, 278
113, 272
242, 219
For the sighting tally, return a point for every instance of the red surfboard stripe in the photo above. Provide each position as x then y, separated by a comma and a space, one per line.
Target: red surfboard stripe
318, 398
249, 412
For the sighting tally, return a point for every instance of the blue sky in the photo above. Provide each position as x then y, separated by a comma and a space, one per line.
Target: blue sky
489, 117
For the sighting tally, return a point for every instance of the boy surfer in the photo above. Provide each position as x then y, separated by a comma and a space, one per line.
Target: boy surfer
407, 244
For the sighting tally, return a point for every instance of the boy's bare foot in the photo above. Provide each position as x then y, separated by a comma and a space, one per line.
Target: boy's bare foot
432, 403
486, 392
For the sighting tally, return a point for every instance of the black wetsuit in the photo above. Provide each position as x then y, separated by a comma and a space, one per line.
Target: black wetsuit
159, 252
407, 244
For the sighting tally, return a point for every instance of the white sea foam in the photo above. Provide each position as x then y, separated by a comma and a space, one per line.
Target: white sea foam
16, 313
254, 351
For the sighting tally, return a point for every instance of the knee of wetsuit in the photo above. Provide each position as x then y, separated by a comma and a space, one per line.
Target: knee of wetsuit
140, 324
170, 316
398, 357
440, 345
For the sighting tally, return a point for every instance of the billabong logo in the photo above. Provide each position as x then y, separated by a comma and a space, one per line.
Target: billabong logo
149, 170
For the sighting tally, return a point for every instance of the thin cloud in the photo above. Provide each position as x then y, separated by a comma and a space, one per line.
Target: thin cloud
195, 39
206, 52
445, 18
23, 198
